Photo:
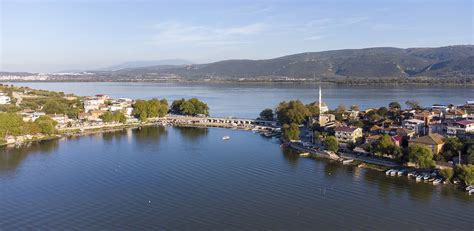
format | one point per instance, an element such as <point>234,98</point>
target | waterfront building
<point>345,134</point>
<point>433,141</point>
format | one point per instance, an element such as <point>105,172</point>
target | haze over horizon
<point>53,36</point>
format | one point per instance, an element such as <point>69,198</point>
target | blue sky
<point>43,36</point>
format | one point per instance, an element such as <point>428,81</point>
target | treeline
<point>13,124</point>
<point>144,109</point>
<point>190,107</point>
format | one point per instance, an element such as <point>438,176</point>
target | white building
<point>461,128</point>
<point>31,116</point>
<point>4,99</point>
<point>418,126</point>
<point>92,103</point>
<point>323,107</point>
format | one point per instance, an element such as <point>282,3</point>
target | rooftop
<point>431,139</point>
<point>345,129</point>
<point>465,122</point>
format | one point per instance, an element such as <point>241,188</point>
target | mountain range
<point>380,62</point>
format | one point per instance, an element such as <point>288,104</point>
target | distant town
<point>438,140</point>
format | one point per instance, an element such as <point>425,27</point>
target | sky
<point>56,35</point>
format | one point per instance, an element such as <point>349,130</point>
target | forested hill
<point>450,61</point>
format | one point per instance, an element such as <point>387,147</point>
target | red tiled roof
<point>465,122</point>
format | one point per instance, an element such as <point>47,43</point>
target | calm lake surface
<point>247,100</point>
<point>190,179</point>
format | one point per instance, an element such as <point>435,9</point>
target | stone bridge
<point>216,121</point>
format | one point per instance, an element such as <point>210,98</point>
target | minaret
<point>320,97</point>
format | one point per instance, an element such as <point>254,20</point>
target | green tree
<point>412,104</point>
<point>451,148</point>
<point>291,132</point>
<point>421,156</point>
<point>313,109</point>
<point>331,143</point>
<point>175,106</point>
<point>46,125</point>
<point>466,173</point>
<point>292,112</point>
<point>187,108</point>
<point>470,154</point>
<point>382,111</point>
<point>267,114</point>
<point>394,106</point>
<point>55,107</point>
<point>10,124</point>
<point>446,173</point>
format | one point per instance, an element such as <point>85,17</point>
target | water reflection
<point>192,134</point>
<point>291,157</point>
<point>149,134</point>
<point>12,157</point>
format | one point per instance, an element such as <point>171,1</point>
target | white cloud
<point>187,34</point>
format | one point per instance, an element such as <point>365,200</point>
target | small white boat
<point>388,172</point>
<point>419,177</point>
<point>426,177</point>
<point>431,179</point>
<point>469,187</point>
<point>393,173</point>
<point>401,172</point>
<point>226,137</point>
<point>304,154</point>
<point>437,181</point>
<point>471,191</point>
<point>347,161</point>
<point>412,174</point>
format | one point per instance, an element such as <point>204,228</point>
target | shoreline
<point>365,82</point>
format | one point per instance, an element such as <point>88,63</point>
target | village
<point>434,139</point>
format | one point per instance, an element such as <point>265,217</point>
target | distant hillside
<point>369,62</point>
<point>137,64</point>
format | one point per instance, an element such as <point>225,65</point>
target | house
<point>324,119</point>
<point>418,126</point>
<point>102,97</point>
<point>372,139</point>
<point>460,129</point>
<point>60,119</point>
<point>4,99</point>
<point>455,114</point>
<point>345,134</point>
<point>31,116</point>
<point>92,103</point>
<point>434,142</point>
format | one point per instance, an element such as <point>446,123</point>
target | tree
<point>291,132</point>
<point>113,117</point>
<point>470,154</point>
<point>394,106</point>
<point>144,109</point>
<point>46,125</point>
<point>267,114</point>
<point>412,104</point>
<point>175,105</point>
<point>451,147</point>
<point>191,107</point>
<point>382,111</point>
<point>355,107</point>
<point>313,109</point>
<point>54,107</point>
<point>446,173</point>
<point>384,144</point>
<point>10,124</point>
<point>421,156</point>
<point>331,143</point>
<point>292,112</point>
<point>466,173</point>
<point>187,108</point>
<point>341,109</point>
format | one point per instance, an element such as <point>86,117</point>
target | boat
<point>401,172</point>
<point>426,176</point>
<point>412,174</point>
<point>419,177</point>
<point>431,179</point>
<point>388,172</point>
<point>304,154</point>
<point>347,161</point>
<point>437,181</point>
<point>393,173</point>
<point>471,191</point>
<point>226,137</point>
<point>469,187</point>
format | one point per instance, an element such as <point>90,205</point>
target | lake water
<point>247,100</point>
<point>190,179</point>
